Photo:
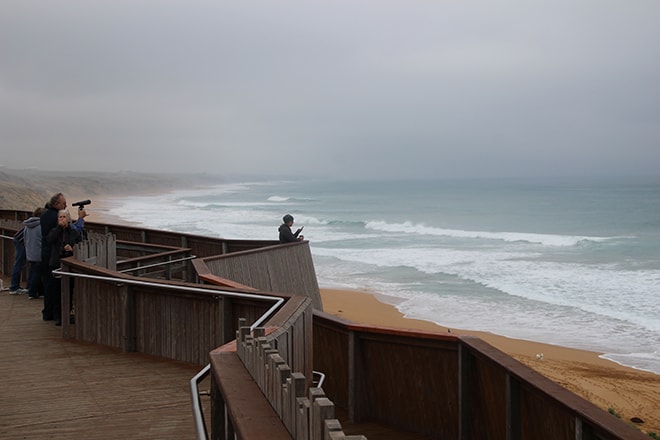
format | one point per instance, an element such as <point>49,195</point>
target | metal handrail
<point>162,263</point>
<point>198,415</point>
<point>321,376</point>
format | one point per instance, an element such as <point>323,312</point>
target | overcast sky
<point>435,88</point>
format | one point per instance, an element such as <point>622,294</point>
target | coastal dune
<point>625,392</point>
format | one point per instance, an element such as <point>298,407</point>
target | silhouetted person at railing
<point>62,239</point>
<point>48,222</point>
<point>33,253</point>
<point>286,236</point>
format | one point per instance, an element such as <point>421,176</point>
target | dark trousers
<point>35,287</point>
<point>52,296</point>
<point>19,265</point>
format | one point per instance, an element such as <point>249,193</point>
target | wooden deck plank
<point>62,389</point>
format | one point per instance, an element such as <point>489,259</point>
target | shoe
<point>58,322</point>
<point>18,291</point>
<point>47,318</point>
<point>32,297</point>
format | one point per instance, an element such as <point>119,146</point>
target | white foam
<point>544,239</point>
<point>647,361</point>
<point>603,291</point>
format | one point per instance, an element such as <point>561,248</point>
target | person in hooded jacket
<point>33,253</point>
<point>286,236</point>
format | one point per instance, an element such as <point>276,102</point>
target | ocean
<point>572,262</point>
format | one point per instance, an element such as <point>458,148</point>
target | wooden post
<point>296,391</point>
<point>302,418</point>
<point>322,409</point>
<point>127,319</point>
<point>287,415</point>
<point>283,374</point>
<point>65,301</point>
<point>218,408</point>
<point>313,395</point>
<point>272,382</point>
<point>241,334</point>
<point>353,407</point>
<point>332,428</point>
<point>262,351</point>
<point>512,408</point>
<point>464,367</point>
<point>226,324</point>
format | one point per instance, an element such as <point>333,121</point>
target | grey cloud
<point>344,89</point>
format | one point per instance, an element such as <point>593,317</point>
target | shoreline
<point>607,384</point>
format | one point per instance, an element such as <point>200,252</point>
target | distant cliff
<point>28,189</point>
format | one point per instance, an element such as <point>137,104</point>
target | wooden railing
<point>263,396</point>
<point>449,387</point>
<point>199,245</point>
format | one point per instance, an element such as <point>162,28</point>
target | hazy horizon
<point>347,90</point>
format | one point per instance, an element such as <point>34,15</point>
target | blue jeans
<point>19,265</point>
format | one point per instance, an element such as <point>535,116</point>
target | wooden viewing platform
<point>56,388</point>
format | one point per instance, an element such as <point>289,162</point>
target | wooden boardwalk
<point>59,389</point>
<point>55,388</point>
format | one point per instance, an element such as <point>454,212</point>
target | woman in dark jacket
<point>61,238</point>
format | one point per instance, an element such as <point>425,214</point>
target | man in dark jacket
<point>286,236</point>
<point>51,285</point>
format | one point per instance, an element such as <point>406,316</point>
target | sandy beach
<point>629,392</point>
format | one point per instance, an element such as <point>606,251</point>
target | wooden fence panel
<point>167,321</point>
<point>282,268</point>
<point>98,249</point>
<point>443,386</point>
